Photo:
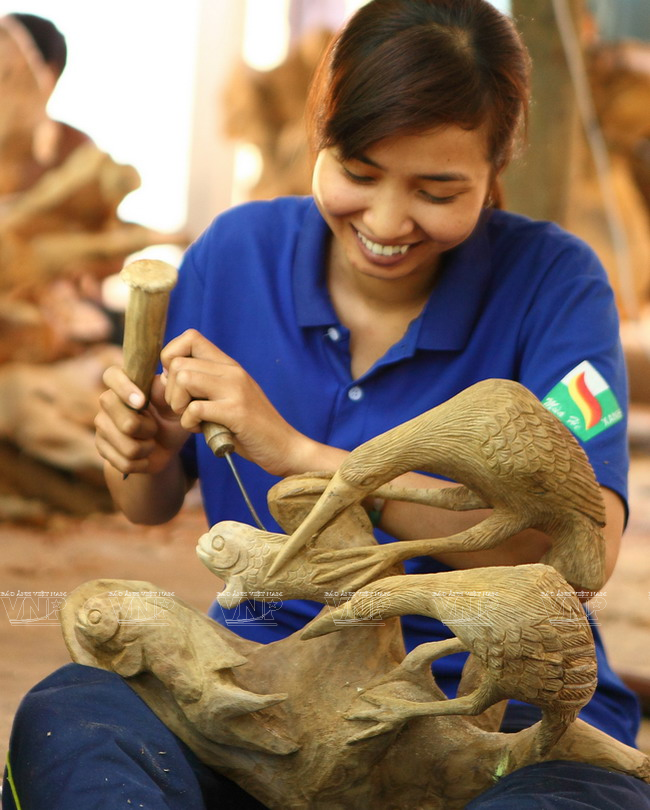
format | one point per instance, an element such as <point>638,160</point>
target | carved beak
<point>328,622</point>
<point>365,607</point>
<point>337,497</point>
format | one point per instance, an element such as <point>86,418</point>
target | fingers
<point>188,378</point>
<point>203,384</point>
<point>124,436</point>
<point>126,447</point>
<point>199,390</point>
<point>192,344</point>
<point>116,380</point>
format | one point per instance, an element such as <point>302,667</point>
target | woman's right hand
<point>130,439</point>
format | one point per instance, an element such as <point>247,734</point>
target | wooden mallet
<point>151,282</point>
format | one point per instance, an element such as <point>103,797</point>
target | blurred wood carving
<point>582,87</point>
<point>619,77</point>
<point>266,109</point>
<point>60,235</point>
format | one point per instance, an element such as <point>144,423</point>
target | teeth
<point>382,250</point>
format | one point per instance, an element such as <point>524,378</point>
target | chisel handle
<point>219,438</point>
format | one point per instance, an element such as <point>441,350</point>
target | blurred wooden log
<point>592,186</point>
<point>48,411</point>
<point>67,223</point>
<point>266,109</point>
<point>538,184</point>
<point>31,489</point>
<point>48,460</point>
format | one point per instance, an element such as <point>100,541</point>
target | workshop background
<point>188,112</point>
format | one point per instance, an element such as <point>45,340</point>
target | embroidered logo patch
<point>584,402</point>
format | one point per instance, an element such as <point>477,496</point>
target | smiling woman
<point>308,325</point>
<point>419,196</point>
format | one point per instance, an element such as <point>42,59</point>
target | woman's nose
<point>387,216</point>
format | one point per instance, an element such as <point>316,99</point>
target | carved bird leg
<point>369,561</point>
<point>411,679</point>
<point>413,674</point>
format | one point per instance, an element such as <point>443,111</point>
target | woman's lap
<point>83,738</point>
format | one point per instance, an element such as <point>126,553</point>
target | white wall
<point>128,84</point>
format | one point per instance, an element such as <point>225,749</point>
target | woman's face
<point>396,208</point>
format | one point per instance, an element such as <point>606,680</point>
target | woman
<point>307,326</point>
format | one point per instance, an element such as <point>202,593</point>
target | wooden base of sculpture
<point>286,720</point>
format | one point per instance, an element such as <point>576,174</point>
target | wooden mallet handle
<point>151,282</point>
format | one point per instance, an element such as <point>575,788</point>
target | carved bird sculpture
<point>524,625</point>
<point>507,451</point>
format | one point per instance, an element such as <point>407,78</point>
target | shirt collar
<point>310,293</point>
<point>453,308</point>
<point>448,317</point>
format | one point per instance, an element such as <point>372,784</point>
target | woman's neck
<point>382,295</point>
<point>377,312</point>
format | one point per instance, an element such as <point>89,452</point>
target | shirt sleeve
<point>572,359</point>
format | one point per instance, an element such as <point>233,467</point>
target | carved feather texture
<point>498,440</point>
<point>530,634</point>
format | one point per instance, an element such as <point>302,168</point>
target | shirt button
<point>333,333</point>
<point>355,393</point>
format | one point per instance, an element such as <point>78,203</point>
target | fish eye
<point>218,542</point>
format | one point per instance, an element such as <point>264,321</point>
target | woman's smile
<point>383,253</point>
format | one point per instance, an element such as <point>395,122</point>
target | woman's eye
<point>356,178</point>
<point>432,198</point>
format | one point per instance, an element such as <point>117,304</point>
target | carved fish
<point>242,555</point>
<point>132,633</point>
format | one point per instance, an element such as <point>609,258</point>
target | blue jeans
<point>83,739</point>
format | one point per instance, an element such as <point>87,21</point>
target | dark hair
<point>407,66</point>
<point>47,38</point>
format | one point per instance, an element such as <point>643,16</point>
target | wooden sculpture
<point>345,719</point>
<point>241,555</point>
<point>541,650</point>
<point>266,109</point>
<point>508,452</point>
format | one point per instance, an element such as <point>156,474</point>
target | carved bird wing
<point>523,437</point>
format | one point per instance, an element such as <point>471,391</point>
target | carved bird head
<point>349,485</point>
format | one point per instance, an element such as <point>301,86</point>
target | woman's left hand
<point>203,384</point>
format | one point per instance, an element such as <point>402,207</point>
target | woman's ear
<point>495,197</point>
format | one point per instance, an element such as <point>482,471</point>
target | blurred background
<point>162,118</point>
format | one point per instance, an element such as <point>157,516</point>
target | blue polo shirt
<point>519,300</point>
